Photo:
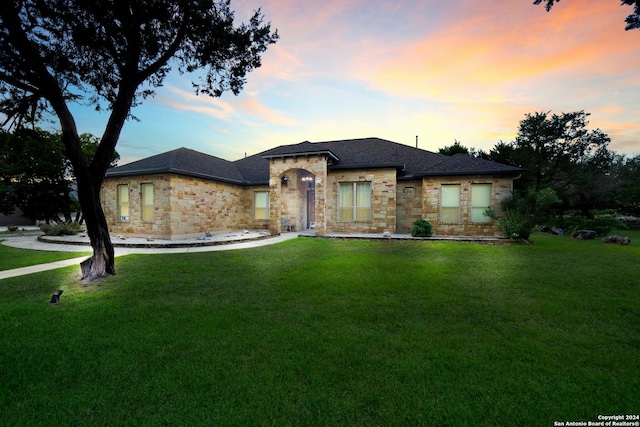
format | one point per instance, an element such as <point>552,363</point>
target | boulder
<point>583,234</point>
<point>615,239</point>
<point>557,231</point>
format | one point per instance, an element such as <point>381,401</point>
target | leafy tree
<point>33,175</point>
<point>633,20</point>
<point>627,178</point>
<point>456,148</point>
<point>559,152</point>
<point>37,177</point>
<point>502,152</point>
<point>112,55</point>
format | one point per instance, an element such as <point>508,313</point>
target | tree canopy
<point>559,152</point>
<point>36,176</point>
<point>111,55</point>
<point>456,148</point>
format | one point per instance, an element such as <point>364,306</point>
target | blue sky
<point>444,71</point>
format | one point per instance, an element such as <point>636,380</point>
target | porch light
<point>318,181</point>
<point>272,183</point>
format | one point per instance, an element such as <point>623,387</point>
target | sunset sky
<point>444,71</point>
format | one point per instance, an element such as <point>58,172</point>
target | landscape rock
<point>618,240</point>
<point>584,234</point>
<point>557,230</point>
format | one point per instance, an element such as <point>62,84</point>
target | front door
<point>311,209</point>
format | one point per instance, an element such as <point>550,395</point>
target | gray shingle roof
<point>362,153</point>
<point>461,164</point>
<point>183,161</point>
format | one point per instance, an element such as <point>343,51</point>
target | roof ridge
<point>172,158</point>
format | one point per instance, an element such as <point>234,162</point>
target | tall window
<point>355,201</point>
<point>450,204</point>
<point>123,202</point>
<point>262,204</point>
<point>480,201</point>
<point>147,201</point>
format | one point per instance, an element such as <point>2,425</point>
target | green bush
<point>524,211</point>
<point>61,229</point>
<point>12,227</point>
<point>516,226</point>
<point>421,228</point>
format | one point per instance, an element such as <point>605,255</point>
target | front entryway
<point>311,209</point>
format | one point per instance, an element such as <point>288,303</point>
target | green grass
<point>11,258</point>
<point>19,231</point>
<point>330,332</point>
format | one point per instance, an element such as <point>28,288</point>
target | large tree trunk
<point>102,262</point>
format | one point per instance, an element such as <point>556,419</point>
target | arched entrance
<point>297,199</point>
<point>294,200</point>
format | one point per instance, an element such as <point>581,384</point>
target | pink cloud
<point>252,106</point>
<point>203,104</point>
<point>488,52</point>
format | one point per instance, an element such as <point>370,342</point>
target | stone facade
<point>501,188</point>
<point>308,198</point>
<point>287,199</point>
<point>383,201</point>
<point>409,205</point>
<point>183,207</point>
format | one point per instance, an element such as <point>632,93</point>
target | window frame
<point>449,206</point>
<point>123,204</point>
<point>256,207</point>
<point>479,208</point>
<point>357,193</point>
<point>147,208</point>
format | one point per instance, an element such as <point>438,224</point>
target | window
<point>147,201</point>
<point>262,204</point>
<point>480,201</point>
<point>123,202</point>
<point>354,201</point>
<point>450,204</point>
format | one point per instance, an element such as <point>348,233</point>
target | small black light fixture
<point>284,180</point>
<point>55,297</point>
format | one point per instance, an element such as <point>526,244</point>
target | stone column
<point>321,197</point>
<point>275,225</point>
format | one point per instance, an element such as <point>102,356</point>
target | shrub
<point>421,228</point>
<point>516,226</point>
<point>523,212</point>
<point>12,227</point>
<point>61,229</point>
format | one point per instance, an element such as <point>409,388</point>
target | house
<point>365,185</point>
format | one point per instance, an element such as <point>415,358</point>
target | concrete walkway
<point>32,243</point>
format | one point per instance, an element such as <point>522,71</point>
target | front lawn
<point>11,258</point>
<point>330,332</point>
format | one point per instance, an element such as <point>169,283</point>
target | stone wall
<point>409,205</point>
<point>288,200</point>
<point>160,227</point>
<point>187,207</point>
<point>249,220</point>
<point>183,206</point>
<point>501,188</point>
<point>383,201</point>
